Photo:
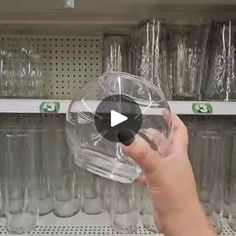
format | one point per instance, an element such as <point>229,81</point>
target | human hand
<point>171,184</point>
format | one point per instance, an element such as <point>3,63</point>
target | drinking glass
<point>92,193</point>
<point>151,60</point>
<point>22,183</point>
<point>216,82</point>
<point>43,143</point>
<point>10,75</point>
<point>187,45</point>
<point>66,178</point>
<point>95,153</point>
<point>147,213</point>
<point>115,53</point>
<point>208,147</point>
<point>125,207</point>
<point>231,65</point>
<point>232,194</point>
<point>32,81</point>
<point>2,170</point>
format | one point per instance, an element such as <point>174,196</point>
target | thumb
<point>141,152</point>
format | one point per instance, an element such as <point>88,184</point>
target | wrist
<point>190,221</point>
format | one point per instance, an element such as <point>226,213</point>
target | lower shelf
<point>83,224</point>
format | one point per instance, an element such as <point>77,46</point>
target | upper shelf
<point>93,12</point>
<point>61,107</point>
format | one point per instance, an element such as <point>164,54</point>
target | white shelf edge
<point>178,107</point>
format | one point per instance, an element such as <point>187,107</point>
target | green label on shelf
<point>202,108</point>
<point>49,107</point>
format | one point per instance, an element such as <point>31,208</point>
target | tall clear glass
<point>151,56</point>
<point>66,178</point>
<point>208,148</point>
<point>232,194</point>
<point>187,45</point>
<point>115,53</point>
<point>22,183</point>
<point>2,170</point>
<point>147,213</point>
<point>214,83</point>
<point>125,207</point>
<point>43,142</point>
<point>92,188</point>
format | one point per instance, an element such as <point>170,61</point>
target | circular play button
<point>116,114</point>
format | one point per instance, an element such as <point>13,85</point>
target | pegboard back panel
<point>68,62</point>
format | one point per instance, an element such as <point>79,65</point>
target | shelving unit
<point>60,106</point>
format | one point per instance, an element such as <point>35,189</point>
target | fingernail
<point>126,137</point>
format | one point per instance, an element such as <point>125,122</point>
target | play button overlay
<point>117,113</point>
<point>117,118</point>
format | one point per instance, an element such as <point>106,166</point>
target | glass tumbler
<point>147,213</point>
<point>92,187</point>
<point>115,53</point>
<point>152,55</point>
<point>66,201</point>
<point>208,148</point>
<point>22,183</point>
<point>215,83</point>
<point>187,45</point>
<point>232,193</point>
<point>43,142</point>
<point>2,170</point>
<point>125,207</point>
<point>99,155</point>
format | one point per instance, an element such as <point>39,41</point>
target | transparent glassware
<point>3,132</point>
<point>66,178</point>
<point>209,166</point>
<point>22,183</point>
<point>11,75</point>
<point>125,207</point>
<point>187,46</point>
<point>215,78</point>
<point>152,55</point>
<point>147,213</point>
<point>98,155</point>
<point>92,187</point>
<point>232,193</point>
<point>115,53</point>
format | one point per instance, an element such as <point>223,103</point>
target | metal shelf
<point>61,106</point>
<point>82,224</point>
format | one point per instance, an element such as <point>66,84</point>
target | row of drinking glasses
<point>21,72</point>
<point>186,60</point>
<point>213,157</point>
<point>38,176</point>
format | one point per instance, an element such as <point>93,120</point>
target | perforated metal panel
<point>68,62</point>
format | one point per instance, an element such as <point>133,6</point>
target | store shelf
<point>81,224</point>
<point>86,225</point>
<point>61,107</point>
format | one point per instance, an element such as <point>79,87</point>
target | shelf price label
<point>202,108</point>
<point>49,107</point>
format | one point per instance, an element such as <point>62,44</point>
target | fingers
<point>179,139</point>
<point>141,152</point>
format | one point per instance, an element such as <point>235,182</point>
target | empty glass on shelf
<point>125,207</point>
<point>187,53</point>
<point>65,177</point>
<point>22,183</point>
<point>214,83</point>
<point>208,166</point>
<point>115,53</point>
<point>147,212</point>
<point>92,187</point>
<point>151,55</point>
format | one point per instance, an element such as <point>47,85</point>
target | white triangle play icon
<point>117,118</point>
